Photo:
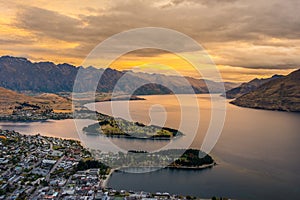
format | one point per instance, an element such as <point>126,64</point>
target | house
<point>56,153</point>
<point>3,161</point>
<point>47,162</point>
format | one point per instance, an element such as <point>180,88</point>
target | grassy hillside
<point>10,100</point>
<point>250,86</point>
<point>279,94</point>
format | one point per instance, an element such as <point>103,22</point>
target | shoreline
<point>135,138</point>
<point>105,182</point>
<point>263,108</point>
<point>119,169</point>
<point>205,166</point>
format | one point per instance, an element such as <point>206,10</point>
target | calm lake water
<point>257,153</point>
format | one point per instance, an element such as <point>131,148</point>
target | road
<point>54,167</point>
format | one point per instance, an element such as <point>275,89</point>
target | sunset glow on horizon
<point>241,47</point>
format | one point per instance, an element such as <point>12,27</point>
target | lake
<point>257,152</point>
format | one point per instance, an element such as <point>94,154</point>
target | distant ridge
<point>282,94</point>
<point>20,74</point>
<point>250,86</point>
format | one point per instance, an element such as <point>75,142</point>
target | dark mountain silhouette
<point>20,74</point>
<point>250,86</point>
<point>282,93</point>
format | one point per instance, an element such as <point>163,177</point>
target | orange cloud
<point>251,45</point>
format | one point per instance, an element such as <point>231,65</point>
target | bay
<point>257,152</point>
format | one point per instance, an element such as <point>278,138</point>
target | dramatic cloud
<point>238,33</point>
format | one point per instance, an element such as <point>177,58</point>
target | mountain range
<point>279,93</point>
<point>250,86</point>
<point>20,74</point>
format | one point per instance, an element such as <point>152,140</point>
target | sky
<point>244,38</point>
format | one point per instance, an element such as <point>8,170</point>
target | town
<point>34,113</point>
<point>40,167</point>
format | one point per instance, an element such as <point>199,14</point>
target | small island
<point>188,159</point>
<point>193,159</point>
<point>118,127</point>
